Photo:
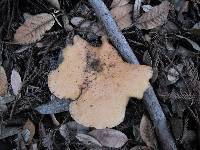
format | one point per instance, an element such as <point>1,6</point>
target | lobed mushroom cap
<point>100,81</point>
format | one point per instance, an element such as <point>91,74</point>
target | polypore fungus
<point>99,82</point>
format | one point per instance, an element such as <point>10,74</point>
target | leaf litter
<point>166,39</point>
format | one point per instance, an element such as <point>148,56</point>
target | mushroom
<point>99,82</point>
<point>3,82</point>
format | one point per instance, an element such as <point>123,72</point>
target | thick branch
<point>150,99</point>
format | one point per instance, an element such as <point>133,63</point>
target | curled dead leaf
<point>29,131</point>
<point>16,82</point>
<point>34,28</point>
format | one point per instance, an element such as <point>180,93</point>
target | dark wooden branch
<point>151,102</point>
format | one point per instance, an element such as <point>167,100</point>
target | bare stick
<point>150,99</point>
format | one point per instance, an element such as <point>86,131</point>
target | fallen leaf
<point>109,137</point>
<point>147,8</point>
<point>121,12</point>
<point>3,82</point>
<point>88,140</point>
<point>76,21</point>
<point>56,105</point>
<point>54,3</point>
<point>157,16</point>
<point>28,131</point>
<point>72,128</point>
<point>16,82</point>
<point>137,6</point>
<point>4,100</point>
<point>194,45</point>
<point>173,73</point>
<point>147,132</point>
<point>76,127</point>
<point>10,131</point>
<point>97,69</point>
<point>34,28</point>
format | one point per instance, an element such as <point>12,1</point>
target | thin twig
<point>150,99</point>
<point>55,121</point>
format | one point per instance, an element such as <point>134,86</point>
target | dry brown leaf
<point>16,82</point>
<point>121,12</point>
<point>3,82</point>
<point>109,137</point>
<point>125,21</point>
<point>157,16</point>
<point>147,132</point>
<point>100,81</point>
<point>34,28</point>
<point>31,128</point>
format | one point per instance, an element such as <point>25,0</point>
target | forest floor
<point>169,41</point>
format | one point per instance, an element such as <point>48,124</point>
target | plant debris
<point>109,137</point>
<point>163,34</point>
<point>121,11</point>
<point>34,28</point>
<point>157,16</point>
<point>16,82</point>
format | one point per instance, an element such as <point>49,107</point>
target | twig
<point>55,121</point>
<point>150,99</point>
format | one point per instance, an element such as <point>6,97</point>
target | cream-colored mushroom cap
<point>100,81</point>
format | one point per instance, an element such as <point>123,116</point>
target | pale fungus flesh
<point>99,82</point>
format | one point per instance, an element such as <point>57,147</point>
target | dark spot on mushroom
<point>93,63</point>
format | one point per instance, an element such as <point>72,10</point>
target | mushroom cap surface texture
<point>99,82</point>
